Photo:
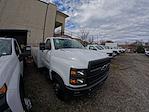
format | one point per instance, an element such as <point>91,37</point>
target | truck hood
<point>6,65</point>
<point>80,56</point>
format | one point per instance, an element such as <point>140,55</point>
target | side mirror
<point>42,46</point>
<point>47,47</point>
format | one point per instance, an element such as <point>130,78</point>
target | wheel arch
<point>57,77</point>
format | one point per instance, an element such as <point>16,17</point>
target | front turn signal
<point>3,89</point>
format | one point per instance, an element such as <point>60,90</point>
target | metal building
<point>29,21</point>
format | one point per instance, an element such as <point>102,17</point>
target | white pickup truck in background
<point>147,52</point>
<point>115,50</point>
<point>115,47</point>
<point>101,49</point>
<point>11,76</point>
<point>73,69</point>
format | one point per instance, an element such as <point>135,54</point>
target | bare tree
<point>84,34</point>
<point>91,39</point>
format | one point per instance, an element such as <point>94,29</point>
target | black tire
<point>22,94</point>
<point>59,90</point>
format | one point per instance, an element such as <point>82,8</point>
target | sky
<point>117,20</point>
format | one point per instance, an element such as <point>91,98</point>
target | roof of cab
<point>4,38</point>
<point>57,38</point>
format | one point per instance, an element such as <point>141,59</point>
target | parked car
<point>73,69</point>
<point>11,76</point>
<point>101,49</point>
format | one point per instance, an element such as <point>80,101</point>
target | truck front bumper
<point>3,104</point>
<point>87,89</point>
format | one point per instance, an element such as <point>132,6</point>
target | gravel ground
<point>126,89</point>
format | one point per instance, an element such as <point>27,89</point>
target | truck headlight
<point>77,77</point>
<point>3,90</point>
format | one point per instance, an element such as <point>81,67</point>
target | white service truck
<point>73,69</point>
<point>101,49</point>
<point>111,45</point>
<point>115,48</point>
<point>11,76</point>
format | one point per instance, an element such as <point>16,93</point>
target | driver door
<point>46,54</point>
<point>18,53</point>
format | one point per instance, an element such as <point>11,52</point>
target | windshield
<point>5,47</point>
<point>99,47</point>
<point>67,43</point>
<point>103,47</point>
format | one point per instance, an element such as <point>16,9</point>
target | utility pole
<point>45,20</point>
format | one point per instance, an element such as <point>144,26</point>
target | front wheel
<point>59,91</point>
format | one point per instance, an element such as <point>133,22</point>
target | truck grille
<point>97,70</point>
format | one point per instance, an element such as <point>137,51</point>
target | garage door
<point>19,35</point>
